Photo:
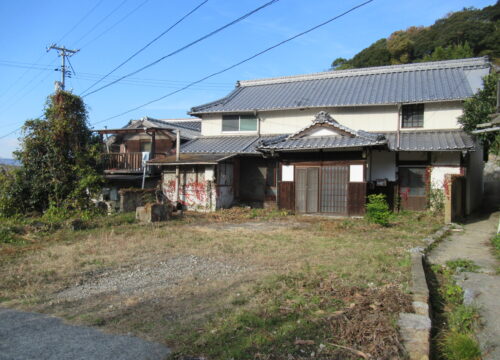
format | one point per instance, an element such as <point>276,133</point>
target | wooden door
<point>412,188</point>
<point>306,189</point>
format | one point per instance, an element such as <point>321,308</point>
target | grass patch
<point>299,277</point>
<point>462,265</point>
<point>456,322</point>
<point>299,315</point>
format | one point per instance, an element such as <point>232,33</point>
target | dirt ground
<point>152,280</point>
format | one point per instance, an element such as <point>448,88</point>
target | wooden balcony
<point>130,162</point>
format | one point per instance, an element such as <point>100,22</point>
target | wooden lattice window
<point>413,116</point>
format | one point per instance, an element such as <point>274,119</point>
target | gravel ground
<point>25,335</point>
<point>144,278</point>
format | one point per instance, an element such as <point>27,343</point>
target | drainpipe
<point>256,114</point>
<point>177,169</point>
<point>398,134</point>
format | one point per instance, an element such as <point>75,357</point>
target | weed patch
<point>456,322</point>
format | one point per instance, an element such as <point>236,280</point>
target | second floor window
<point>413,116</point>
<point>239,123</point>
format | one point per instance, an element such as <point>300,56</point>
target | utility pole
<point>63,53</point>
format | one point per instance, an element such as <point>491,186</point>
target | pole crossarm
<point>63,53</point>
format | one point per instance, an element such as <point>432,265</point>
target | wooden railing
<point>131,161</point>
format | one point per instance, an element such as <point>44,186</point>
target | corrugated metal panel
<point>436,81</point>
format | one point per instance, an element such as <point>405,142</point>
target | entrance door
<point>334,180</point>
<point>307,189</point>
<point>412,188</point>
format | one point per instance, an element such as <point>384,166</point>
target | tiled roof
<point>410,83</point>
<point>224,144</point>
<point>191,159</point>
<point>322,142</point>
<point>438,140</point>
<point>189,129</point>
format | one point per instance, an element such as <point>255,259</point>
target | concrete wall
<point>369,118</point>
<point>201,188</point>
<point>196,188</point>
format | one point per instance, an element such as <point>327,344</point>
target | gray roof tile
<point>438,140</point>
<point>421,82</point>
<point>224,144</point>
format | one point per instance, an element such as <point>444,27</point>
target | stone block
<point>153,213</point>
<point>415,332</point>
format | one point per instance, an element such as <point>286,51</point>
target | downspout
<point>256,114</point>
<point>177,169</point>
<point>398,133</point>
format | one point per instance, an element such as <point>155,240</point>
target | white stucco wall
<point>382,165</point>
<point>369,118</point>
<point>438,173</point>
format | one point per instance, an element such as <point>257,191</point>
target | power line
<point>115,24</point>
<point>184,47</point>
<point>80,21</point>
<point>146,46</point>
<point>101,21</point>
<point>43,54</point>
<point>240,62</point>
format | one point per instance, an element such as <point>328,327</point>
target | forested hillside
<point>467,33</point>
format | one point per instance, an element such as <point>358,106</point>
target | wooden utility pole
<point>63,53</point>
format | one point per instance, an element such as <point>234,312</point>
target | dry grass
<point>265,244</point>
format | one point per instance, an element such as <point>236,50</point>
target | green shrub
<point>377,210</point>
<point>456,346</point>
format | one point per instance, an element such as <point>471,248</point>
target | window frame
<point>239,118</point>
<point>412,110</point>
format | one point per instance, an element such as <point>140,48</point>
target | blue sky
<point>115,29</point>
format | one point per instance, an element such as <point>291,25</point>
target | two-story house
<point>319,143</point>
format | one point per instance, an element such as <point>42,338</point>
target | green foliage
<point>436,200</point>
<point>467,33</point>
<point>458,346</point>
<point>377,210</point>
<point>456,333</point>
<point>478,108</point>
<point>496,244</point>
<point>59,157</point>
<point>458,265</point>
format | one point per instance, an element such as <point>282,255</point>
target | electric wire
<point>239,63</point>
<point>114,25</point>
<point>101,21</point>
<point>241,18</point>
<point>146,46</point>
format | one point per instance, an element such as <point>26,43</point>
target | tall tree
<point>478,108</point>
<point>59,157</point>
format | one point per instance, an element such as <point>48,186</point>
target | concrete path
<point>25,335</point>
<point>483,287</point>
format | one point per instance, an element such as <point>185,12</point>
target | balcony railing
<point>131,161</point>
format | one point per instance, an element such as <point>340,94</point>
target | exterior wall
<point>369,118</point>
<point>201,188</point>
<point>196,187</point>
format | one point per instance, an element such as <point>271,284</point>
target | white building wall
<point>369,118</point>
